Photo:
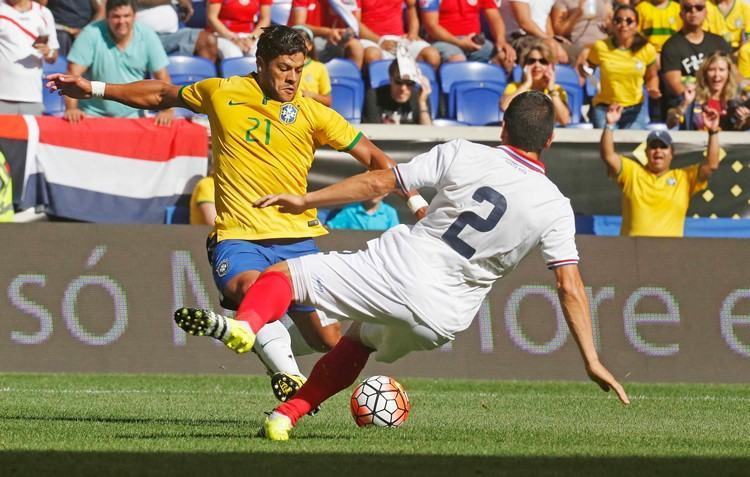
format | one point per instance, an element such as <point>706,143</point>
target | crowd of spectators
<point>645,56</point>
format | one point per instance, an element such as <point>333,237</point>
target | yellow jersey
<point>658,23</point>
<point>622,72</point>
<point>203,193</point>
<point>315,78</point>
<point>261,146</point>
<point>743,60</point>
<point>736,21</point>
<point>655,206</point>
<point>715,22</point>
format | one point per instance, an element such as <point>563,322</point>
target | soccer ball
<point>380,401</point>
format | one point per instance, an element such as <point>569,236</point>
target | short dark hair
<point>529,121</point>
<point>113,4</point>
<point>277,40</point>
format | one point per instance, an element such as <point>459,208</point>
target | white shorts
<point>413,47</point>
<point>352,286</point>
<point>229,50</point>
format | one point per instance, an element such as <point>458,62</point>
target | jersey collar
<point>527,161</point>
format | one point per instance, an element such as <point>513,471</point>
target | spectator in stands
<point>27,37</point>
<point>581,29</point>
<point>716,88</point>
<point>7,213</point>
<point>658,20</point>
<point>684,52</point>
<point>116,50</point>
<point>315,82</point>
<point>202,202</point>
<point>334,35</point>
<point>398,102</point>
<point>626,61</point>
<point>161,17</point>
<point>743,63</point>
<point>233,22</point>
<point>71,16</point>
<point>735,16</point>
<point>382,29</point>
<point>655,198</point>
<point>527,20</point>
<point>455,29</point>
<point>538,62</point>
<point>373,214</point>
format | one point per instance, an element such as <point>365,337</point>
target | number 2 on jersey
<point>480,224</point>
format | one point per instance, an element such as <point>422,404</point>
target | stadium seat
<point>347,89</point>
<point>568,79</point>
<point>378,73</point>
<point>54,104</point>
<point>189,69</point>
<point>241,66</point>
<point>478,102</point>
<point>176,214</point>
<point>476,76</point>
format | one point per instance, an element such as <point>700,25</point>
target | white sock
<point>273,347</point>
<point>299,345</point>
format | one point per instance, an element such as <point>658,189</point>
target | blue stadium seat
<point>176,214</point>
<point>189,69</point>
<point>241,66</point>
<point>479,75</point>
<point>478,102</point>
<point>568,79</point>
<point>378,72</point>
<point>54,104</point>
<point>347,89</point>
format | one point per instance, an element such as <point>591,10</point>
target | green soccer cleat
<point>236,335</point>
<point>276,427</point>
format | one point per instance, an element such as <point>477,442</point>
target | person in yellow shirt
<point>655,198</point>
<point>658,20</point>
<point>538,62</point>
<point>315,82</point>
<point>729,19</point>
<point>626,62</point>
<point>264,136</point>
<point>743,61</point>
<point>203,203</point>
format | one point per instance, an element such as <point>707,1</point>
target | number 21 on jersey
<point>473,220</point>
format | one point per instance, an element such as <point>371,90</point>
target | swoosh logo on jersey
<point>232,103</point>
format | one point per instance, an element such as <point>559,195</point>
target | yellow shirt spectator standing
<point>732,18</point>
<point>658,20</point>
<point>203,203</point>
<point>655,198</point>
<point>626,62</point>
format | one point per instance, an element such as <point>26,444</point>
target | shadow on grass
<point>18,463</point>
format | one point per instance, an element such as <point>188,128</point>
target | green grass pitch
<point>102,425</point>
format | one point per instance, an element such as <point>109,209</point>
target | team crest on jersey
<point>672,181</point>
<point>639,65</point>
<point>288,113</point>
<point>223,268</point>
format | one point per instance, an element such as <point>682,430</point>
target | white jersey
<point>493,205</point>
<point>20,62</point>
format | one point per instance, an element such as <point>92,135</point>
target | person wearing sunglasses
<point>404,100</point>
<point>539,75</point>
<point>684,53</point>
<point>655,197</point>
<point>626,62</point>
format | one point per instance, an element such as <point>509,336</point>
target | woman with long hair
<point>538,62</point>
<point>626,62</point>
<point>716,87</point>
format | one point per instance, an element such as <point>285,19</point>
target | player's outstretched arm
<point>146,94</point>
<point>357,188</point>
<point>575,307</point>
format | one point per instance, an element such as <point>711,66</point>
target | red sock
<point>266,300</point>
<point>335,371</point>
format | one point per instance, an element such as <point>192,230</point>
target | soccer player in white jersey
<point>415,288</point>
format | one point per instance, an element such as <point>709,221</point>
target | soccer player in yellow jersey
<point>264,136</point>
<point>655,198</point>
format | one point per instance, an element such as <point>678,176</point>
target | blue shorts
<point>229,258</point>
